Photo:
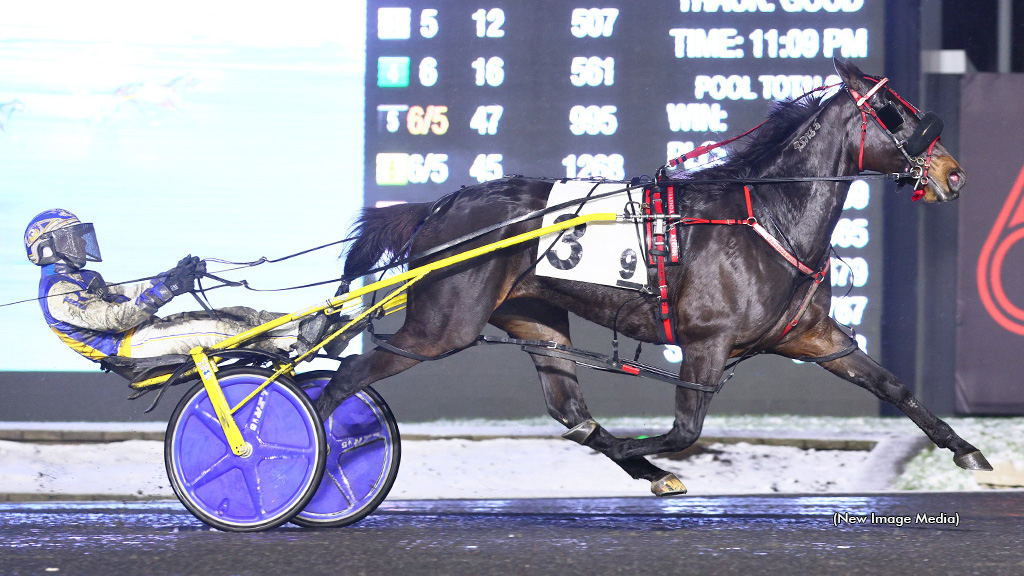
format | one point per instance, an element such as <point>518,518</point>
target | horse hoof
<point>582,431</point>
<point>667,485</point>
<point>972,461</point>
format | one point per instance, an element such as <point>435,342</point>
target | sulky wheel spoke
<point>252,485</point>
<point>341,482</point>
<point>219,468</point>
<point>279,451</point>
<point>209,419</point>
<point>340,479</point>
<point>257,415</point>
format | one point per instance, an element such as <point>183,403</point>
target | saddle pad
<point>605,253</point>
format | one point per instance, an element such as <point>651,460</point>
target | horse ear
<point>848,71</point>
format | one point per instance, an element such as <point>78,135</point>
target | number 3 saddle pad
<point>606,253</point>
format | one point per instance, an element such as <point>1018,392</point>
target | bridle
<point>917,149</point>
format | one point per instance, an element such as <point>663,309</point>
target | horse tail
<point>382,231</point>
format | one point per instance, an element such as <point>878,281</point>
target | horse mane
<point>783,120</point>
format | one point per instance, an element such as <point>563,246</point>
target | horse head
<point>896,137</point>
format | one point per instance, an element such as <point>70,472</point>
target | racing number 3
<point>570,237</point>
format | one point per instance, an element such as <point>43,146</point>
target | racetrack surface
<point>978,533</point>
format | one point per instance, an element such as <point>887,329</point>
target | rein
<point>635,184</point>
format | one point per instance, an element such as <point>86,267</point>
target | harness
<point>662,245</point>
<point>663,250</point>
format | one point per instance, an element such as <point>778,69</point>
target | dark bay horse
<point>732,294</point>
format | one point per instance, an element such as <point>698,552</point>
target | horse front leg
<point>703,364</point>
<point>530,319</point>
<point>860,369</point>
<point>822,337</point>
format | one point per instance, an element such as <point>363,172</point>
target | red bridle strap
<point>865,109</point>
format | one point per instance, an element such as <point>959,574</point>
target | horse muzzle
<point>945,180</point>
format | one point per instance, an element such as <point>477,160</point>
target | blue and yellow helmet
<point>56,235</point>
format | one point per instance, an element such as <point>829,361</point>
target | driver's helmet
<point>56,235</point>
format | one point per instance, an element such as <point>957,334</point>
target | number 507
<point>593,22</point>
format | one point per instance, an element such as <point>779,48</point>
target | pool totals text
<point>464,92</point>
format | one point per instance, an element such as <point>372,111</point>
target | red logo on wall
<point>1007,231</point>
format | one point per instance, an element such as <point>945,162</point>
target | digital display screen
<point>464,92</point>
<point>239,131</point>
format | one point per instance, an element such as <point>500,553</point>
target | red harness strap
<point>818,278</point>
<point>709,147</point>
<point>865,110</point>
<point>663,249</point>
<point>763,233</point>
<point>793,260</point>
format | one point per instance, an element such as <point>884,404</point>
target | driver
<point>97,319</point>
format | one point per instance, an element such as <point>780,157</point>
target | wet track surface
<point>977,533</point>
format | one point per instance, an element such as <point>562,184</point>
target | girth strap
<point>818,278</point>
<point>850,349</point>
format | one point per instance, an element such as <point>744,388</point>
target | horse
<point>732,294</point>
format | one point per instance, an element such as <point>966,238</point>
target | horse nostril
<point>956,179</point>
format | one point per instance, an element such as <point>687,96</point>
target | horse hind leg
<point>534,320</point>
<point>433,326</point>
<point>703,364</point>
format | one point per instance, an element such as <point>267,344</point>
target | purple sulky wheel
<point>263,489</point>
<point>364,450</point>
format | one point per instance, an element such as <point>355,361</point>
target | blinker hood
<point>928,129</point>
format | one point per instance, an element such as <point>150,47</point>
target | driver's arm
<point>69,303</point>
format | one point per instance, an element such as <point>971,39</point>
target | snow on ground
<point>533,468</point>
<point>1001,439</point>
<point>453,468</point>
<point>133,467</point>
<point>502,465</point>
